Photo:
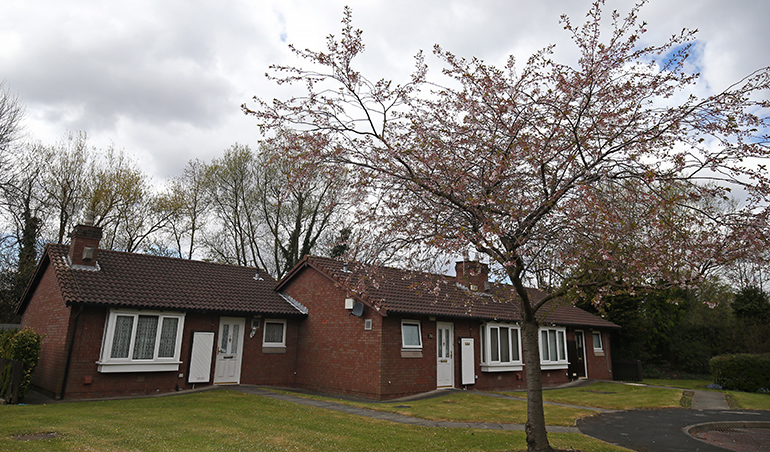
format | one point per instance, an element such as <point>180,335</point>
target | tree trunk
<point>537,437</point>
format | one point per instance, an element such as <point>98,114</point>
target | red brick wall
<point>262,368</point>
<point>47,314</point>
<point>503,381</point>
<point>598,363</point>
<point>85,381</point>
<point>335,353</point>
<point>257,368</point>
<point>405,375</point>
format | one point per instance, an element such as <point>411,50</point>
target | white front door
<point>445,375</point>
<point>229,350</point>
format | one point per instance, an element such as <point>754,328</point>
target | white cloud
<point>164,80</point>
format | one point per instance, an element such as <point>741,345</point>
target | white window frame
<point>547,361</point>
<point>598,345</point>
<point>264,333</point>
<point>108,364</point>
<point>404,345</point>
<point>488,364</point>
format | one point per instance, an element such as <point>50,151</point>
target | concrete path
<point>709,400</point>
<point>393,417</point>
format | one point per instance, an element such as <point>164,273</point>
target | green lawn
<point>696,385</point>
<point>749,400</point>
<point>233,421</point>
<point>615,396</point>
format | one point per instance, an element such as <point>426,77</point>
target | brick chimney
<point>472,274</point>
<point>84,244</point>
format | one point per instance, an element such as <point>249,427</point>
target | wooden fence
<point>627,370</point>
<point>11,375</point>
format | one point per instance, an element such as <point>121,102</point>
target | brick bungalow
<point>384,333</point>
<point>123,324</point>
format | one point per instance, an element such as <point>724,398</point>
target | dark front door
<point>576,355</point>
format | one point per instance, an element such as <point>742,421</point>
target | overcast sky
<point>164,79</point>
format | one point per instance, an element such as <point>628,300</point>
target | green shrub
<point>23,346</point>
<point>743,372</point>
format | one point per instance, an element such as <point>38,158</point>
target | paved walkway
<point>709,400</point>
<point>393,417</point>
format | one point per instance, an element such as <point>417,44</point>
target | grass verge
<point>616,396</point>
<point>225,420</point>
<point>748,400</point>
<point>695,385</point>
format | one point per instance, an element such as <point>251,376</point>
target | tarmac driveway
<point>661,430</point>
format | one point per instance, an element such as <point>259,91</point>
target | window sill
<point>266,349</point>
<point>553,366</point>
<point>598,352</point>
<point>502,367</point>
<point>411,353</point>
<point>111,368</point>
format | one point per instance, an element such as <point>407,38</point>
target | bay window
<point>553,348</point>
<point>500,347</point>
<point>141,341</point>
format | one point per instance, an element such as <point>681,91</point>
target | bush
<point>23,346</point>
<point>743,372</point>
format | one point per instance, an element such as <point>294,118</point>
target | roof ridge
<point>160,282</point>
<point>177,259</point>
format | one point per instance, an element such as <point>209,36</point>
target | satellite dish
<point>358,309</point>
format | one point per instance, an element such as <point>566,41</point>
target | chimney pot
<point>472,274</point>
<point>84,245</point>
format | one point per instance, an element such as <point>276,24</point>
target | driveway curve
<point>661,429</point>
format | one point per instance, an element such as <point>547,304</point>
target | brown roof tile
<point>390,290</point>
<point>142,281</point>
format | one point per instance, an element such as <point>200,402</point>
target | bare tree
<point>231,187</point>
<point>124,204</point>
<point>188,192</point>
<point>65,178</point>
<point>11,114</point>
<point>298,201</point>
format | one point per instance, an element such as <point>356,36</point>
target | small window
<point>411,336</point>
<point>275,333</point>
<point>598,347</point>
